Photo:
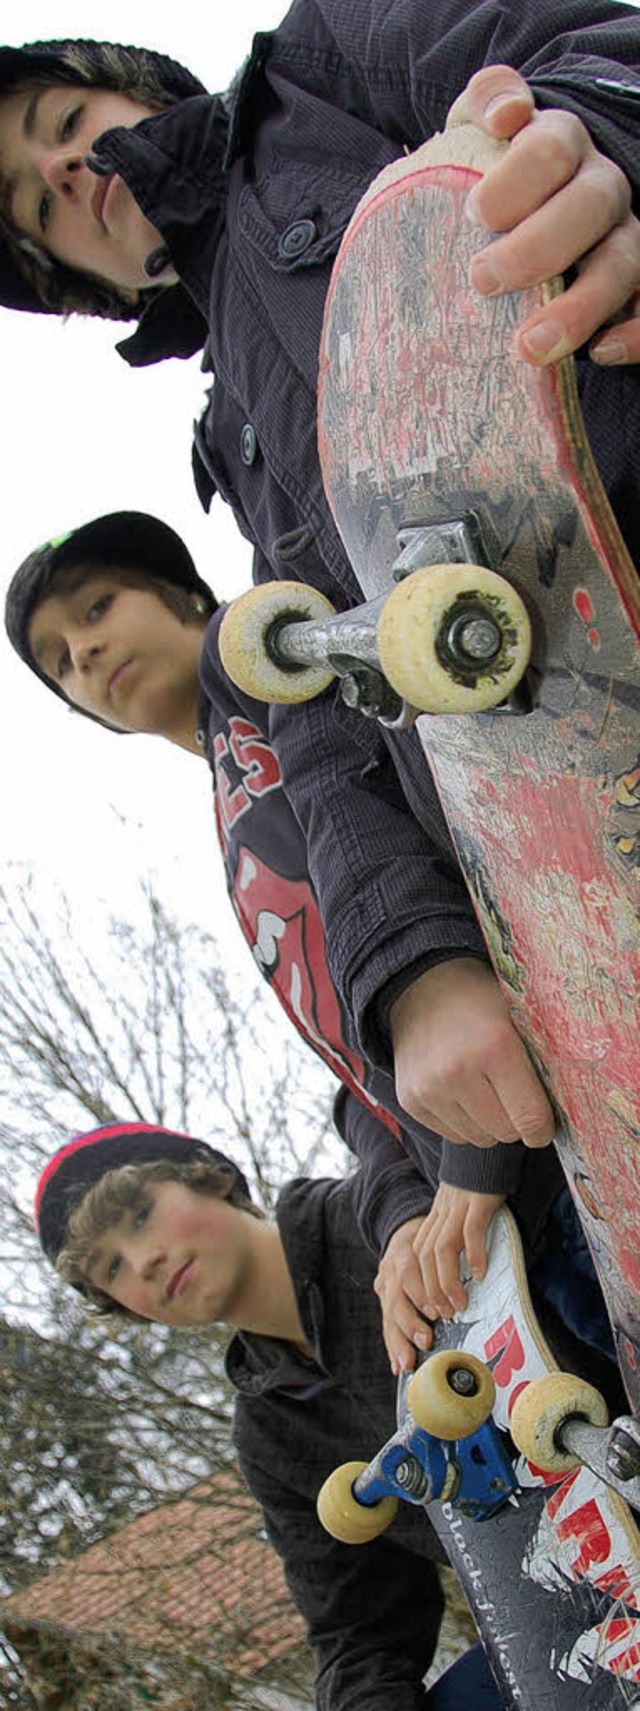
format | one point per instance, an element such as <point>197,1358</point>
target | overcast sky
<point>82,434</point>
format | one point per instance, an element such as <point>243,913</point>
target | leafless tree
<point>142,1022</point>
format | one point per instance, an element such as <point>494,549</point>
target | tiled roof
<point>194,1566</point>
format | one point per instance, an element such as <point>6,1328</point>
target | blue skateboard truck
<point>446,1447</point>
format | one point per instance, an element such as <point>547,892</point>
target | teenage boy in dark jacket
<point>245,200</point>
<point>153,1225</point>
<point>113,618</point>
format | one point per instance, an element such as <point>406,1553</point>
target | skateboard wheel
<point>343,1516</point>
<point>538,1414</point>
<point>248,642</point>
<point>454,638</point>
<point>451,1394</point>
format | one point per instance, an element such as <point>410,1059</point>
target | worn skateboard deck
<point>426,415</point>
<point>553,1578</point>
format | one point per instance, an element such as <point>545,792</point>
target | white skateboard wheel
<point>343,1516</point>
<point>436,1402</point>
<point>245,642</point>
<point>539,1411</point>
<point>434,632</point>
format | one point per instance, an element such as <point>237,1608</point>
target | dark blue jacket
<point>252,196</point>
<point>265,858</point>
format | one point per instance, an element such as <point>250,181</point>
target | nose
<point>60,170</point>
<point>84,650</point>
<point>150,1263</point>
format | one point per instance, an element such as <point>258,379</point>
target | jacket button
<point>297,238</point>
<point>248,445</point>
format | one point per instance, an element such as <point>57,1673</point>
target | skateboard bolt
<point>474,639</point>
<point>367,691</point>
<point>623,1456</point>
<point>412,1477</point>
<point>462,1381</point>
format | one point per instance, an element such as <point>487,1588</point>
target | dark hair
<point>122,542</point>
<point>119,1191</point>
<point>67,579</point>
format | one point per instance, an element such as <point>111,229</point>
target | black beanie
<point>79,1164</point>
<point>132,539</point>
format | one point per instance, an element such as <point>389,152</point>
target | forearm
<point>391,1185</point>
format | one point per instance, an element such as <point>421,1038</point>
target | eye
<point>62,663</point>
<point>99,607</point>
<point>69,124</point>
<point>141,1215</point>
<point>113,1268</point>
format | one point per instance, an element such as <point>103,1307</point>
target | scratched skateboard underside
<point>423,416</point>
<point>570,1641</point>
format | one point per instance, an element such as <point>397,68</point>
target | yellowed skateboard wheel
<point>244,637</point>
<point>419,620</point>
<point>343,1516</point>
<point>443,1411</point>
<point>539,1411</point>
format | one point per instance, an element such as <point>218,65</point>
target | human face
<point>121,654</point>
<point>177,1257</point>
<point>90,223</point>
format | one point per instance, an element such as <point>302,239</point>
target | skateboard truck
<point>454,636</point>
<point>447,1447</point>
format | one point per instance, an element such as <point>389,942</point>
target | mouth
<point>117,678</point>
<point>100,198</point>
<point>179,1280</point>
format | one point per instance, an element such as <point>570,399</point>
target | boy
<point>246,198</point>
<point>113,619</point>
<point>153,1225</point>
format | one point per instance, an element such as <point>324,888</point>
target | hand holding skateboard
<point>400,1290</point>
<point>457,1223</point>
<point>559,202</point>
<point>460,1066</point>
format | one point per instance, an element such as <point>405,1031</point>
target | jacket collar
<point>167,160</point>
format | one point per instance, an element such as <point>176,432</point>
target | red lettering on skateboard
<point>616,1581</point>
<point>628,1661</point>
<point>507,1344</point>
<point>588,1527</point>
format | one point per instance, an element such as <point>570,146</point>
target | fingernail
<point>484,277</point>
<point>545,342</point>
<point>609,351</point>
<point>498,101</point>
